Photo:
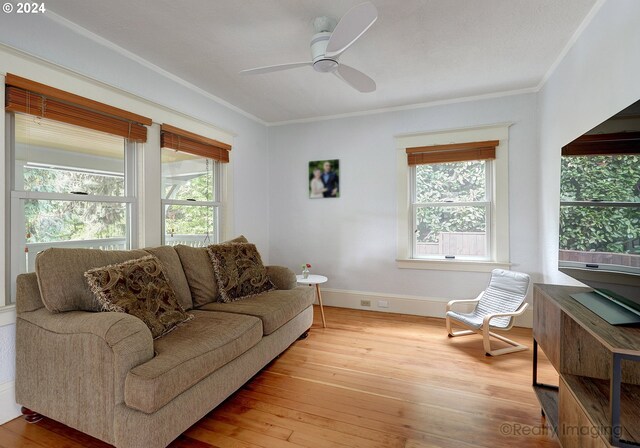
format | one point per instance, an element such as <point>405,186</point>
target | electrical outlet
<point>365,303</point>
<point>383,304</point>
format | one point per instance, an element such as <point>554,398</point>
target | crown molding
<point>571,42</point>
<point>425,105</point>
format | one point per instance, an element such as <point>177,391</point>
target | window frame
<point>498,256</point>
<point>15,215</point>
<point>216,203</point>
<point>487,203</point>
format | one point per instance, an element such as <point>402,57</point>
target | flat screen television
<point>600,216</point>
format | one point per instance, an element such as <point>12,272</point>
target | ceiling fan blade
<point>355,78</point>
<point>352,25</point>
<point>274,68</point>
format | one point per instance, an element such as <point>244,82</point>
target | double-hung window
<point>72,174</point>
<point>451,200</point>
<point>192,170</point>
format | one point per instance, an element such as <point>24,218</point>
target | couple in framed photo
<point>324,179</point>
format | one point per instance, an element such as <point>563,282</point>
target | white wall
<point>64,47</point>
<point>596,79</point>
<point>352,239</point>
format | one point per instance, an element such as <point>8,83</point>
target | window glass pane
<point>193,225</point>
<point>460,231</point>
<point>49,221</point>
<point>60,158</point>
<point>602,178</point>
<point>455,182</point>
<point>97,225</point>
<point>601,230</point>
<point>187,177</point>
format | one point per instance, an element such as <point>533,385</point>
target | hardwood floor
<point>368,380</point>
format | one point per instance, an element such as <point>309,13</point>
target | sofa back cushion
<point>61,276</point>
<point>63,286</point>
<point>172,266</point>
<point>199,272</point>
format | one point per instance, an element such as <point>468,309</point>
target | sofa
<point>102,373</point>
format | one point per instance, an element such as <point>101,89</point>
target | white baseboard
<point>419,306</point>
<point>8,407</point>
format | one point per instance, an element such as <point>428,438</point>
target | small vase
<point>305,273</point>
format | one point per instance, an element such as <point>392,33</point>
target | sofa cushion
<point>239,271</point>
<point>187,355</point>
<point>61,278</point>
<point>139,287</point>
<point>199,272</point>
<point>173,268</point>
<point>274,308</point>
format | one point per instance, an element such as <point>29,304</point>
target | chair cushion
<point>187,355</point>
<point>239,271</point>
<point>471,320</point>
<point>139,287</point>
<point>274,308</point>
<point>505,294</point>
<point>199,272</point>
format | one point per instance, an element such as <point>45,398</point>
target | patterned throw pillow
<point>139,287</point>
<point>239,271</point>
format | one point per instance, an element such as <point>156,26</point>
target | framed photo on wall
<point>324,179</point>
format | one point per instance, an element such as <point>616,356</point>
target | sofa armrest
<point>282,277</point>
<point>111,327</point>
<point>73,364</point>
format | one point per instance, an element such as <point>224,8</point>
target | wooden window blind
<point>30,97</point>
<point>185,141</point>
<point>456,152</point>
<point>604,144</point>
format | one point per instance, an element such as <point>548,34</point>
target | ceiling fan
<point>329,42</point>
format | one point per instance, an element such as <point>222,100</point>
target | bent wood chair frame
<point>485,329</point>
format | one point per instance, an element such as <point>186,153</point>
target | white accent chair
<point>496,307</point>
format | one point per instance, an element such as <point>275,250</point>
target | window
<point>455,187</point>
<point>71,187</point>
<point>71,172</point>
<point>191,187</point>
<point>600,208</point>
<point>190,199</point>
<point>451,210</point>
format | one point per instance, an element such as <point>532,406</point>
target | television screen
<point>600,208</point>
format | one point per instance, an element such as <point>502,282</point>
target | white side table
<point>315,280</point>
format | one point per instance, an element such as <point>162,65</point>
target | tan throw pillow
<point>139,287</point>
<point>239,271</point>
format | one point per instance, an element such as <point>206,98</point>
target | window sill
<point>451,265</point>
<point>7,315</point>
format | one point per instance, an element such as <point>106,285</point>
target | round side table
<point>315,280</point>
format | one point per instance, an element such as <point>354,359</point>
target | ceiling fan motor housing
<point>321,63</point>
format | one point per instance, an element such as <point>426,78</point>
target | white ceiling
<point>418,51</point>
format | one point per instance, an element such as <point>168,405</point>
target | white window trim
<point>217,203</point>
<point>4,228</point>
<point>499,243</point>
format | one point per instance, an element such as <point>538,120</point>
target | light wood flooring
<point>368,380</point>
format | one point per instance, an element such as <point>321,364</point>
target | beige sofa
<point>103,374</point>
